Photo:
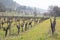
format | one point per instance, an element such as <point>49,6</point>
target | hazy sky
<point>39,3</point>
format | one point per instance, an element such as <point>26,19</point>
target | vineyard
<point>28,29</point>
<point>29,20</point>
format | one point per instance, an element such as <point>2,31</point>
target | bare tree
<point>2,8</point>
<point>54,10</point>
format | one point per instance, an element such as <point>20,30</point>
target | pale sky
<point>39,3</point>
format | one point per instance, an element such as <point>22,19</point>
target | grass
<point>40,31</point>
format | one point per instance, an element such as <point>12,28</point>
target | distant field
<point>40,31</point>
